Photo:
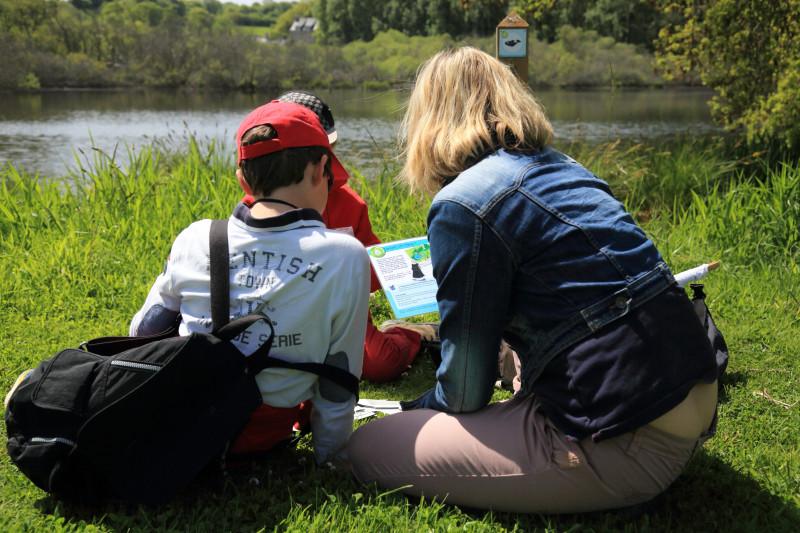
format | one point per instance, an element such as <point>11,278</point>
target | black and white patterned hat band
<point>315,104</point>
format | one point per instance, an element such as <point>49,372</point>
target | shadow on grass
<point>709,496</point>
<point>246,495</point>
<point>287,487</point>
<point>729,381</point>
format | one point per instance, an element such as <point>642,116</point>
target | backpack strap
<point>220,273</point>
<point>337,375</point>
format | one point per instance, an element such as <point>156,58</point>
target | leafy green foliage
<point>748,51</point>
<point>583,58</point>
<point>262,14</point>
<point>392,55</point>
<point>349,20</point>
<point>629,21</point>
<point>87,4</point>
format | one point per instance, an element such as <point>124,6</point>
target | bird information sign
<point>512,45</point>
<point>512,42</point>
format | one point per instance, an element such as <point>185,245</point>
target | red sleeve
<point>346,209</point>
<point>363,229</point>
<point>374,284</point>
<point>364,234</point>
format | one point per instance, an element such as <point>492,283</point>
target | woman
<point>618,377</point>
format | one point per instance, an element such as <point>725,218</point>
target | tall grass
<point>658,177</point>
<point>78,256</point>
<point>757,222</point>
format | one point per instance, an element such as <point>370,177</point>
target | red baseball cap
<point>296,126</point>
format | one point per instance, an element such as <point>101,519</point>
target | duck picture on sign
<point>512,42</point>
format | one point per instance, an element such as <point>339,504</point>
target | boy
<point>313,283</point>
<point>390,349</point>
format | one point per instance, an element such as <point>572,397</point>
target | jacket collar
<point>290,218</point>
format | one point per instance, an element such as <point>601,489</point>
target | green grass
<point>78,260</point>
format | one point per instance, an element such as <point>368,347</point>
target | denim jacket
<point>534,249</point>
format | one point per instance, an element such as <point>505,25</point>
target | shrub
<point>748,51</point>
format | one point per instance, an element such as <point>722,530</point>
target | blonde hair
<point>464,104</point>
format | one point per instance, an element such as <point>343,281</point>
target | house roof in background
<point>303,24</point>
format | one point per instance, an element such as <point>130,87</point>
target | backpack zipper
<point>50,440</point>
<point>135,365</point>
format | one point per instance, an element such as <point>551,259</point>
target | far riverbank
<point>230,60</point>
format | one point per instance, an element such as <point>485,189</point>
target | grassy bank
<point>79,259</point>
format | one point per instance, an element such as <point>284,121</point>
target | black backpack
<point>137,418</point>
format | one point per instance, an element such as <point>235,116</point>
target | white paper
<point>366,408</point>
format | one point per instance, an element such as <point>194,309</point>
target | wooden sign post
<point>512,44</point>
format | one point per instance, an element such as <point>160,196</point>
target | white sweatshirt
<point>313,283</point>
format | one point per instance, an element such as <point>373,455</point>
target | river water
<point>45,132</point>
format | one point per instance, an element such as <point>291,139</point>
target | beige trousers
<point>509,457</point>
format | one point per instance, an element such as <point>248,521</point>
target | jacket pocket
<point>67,381</point>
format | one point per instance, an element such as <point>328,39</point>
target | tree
<point>628,21</point>
<point>25,17</point>
<point>482,16</point>
<point>547,16</point>
<point>360,13</point>
<point>347,20</point>
<point>87,4</point>
<point>748,51</point>
<point>406,16</point>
